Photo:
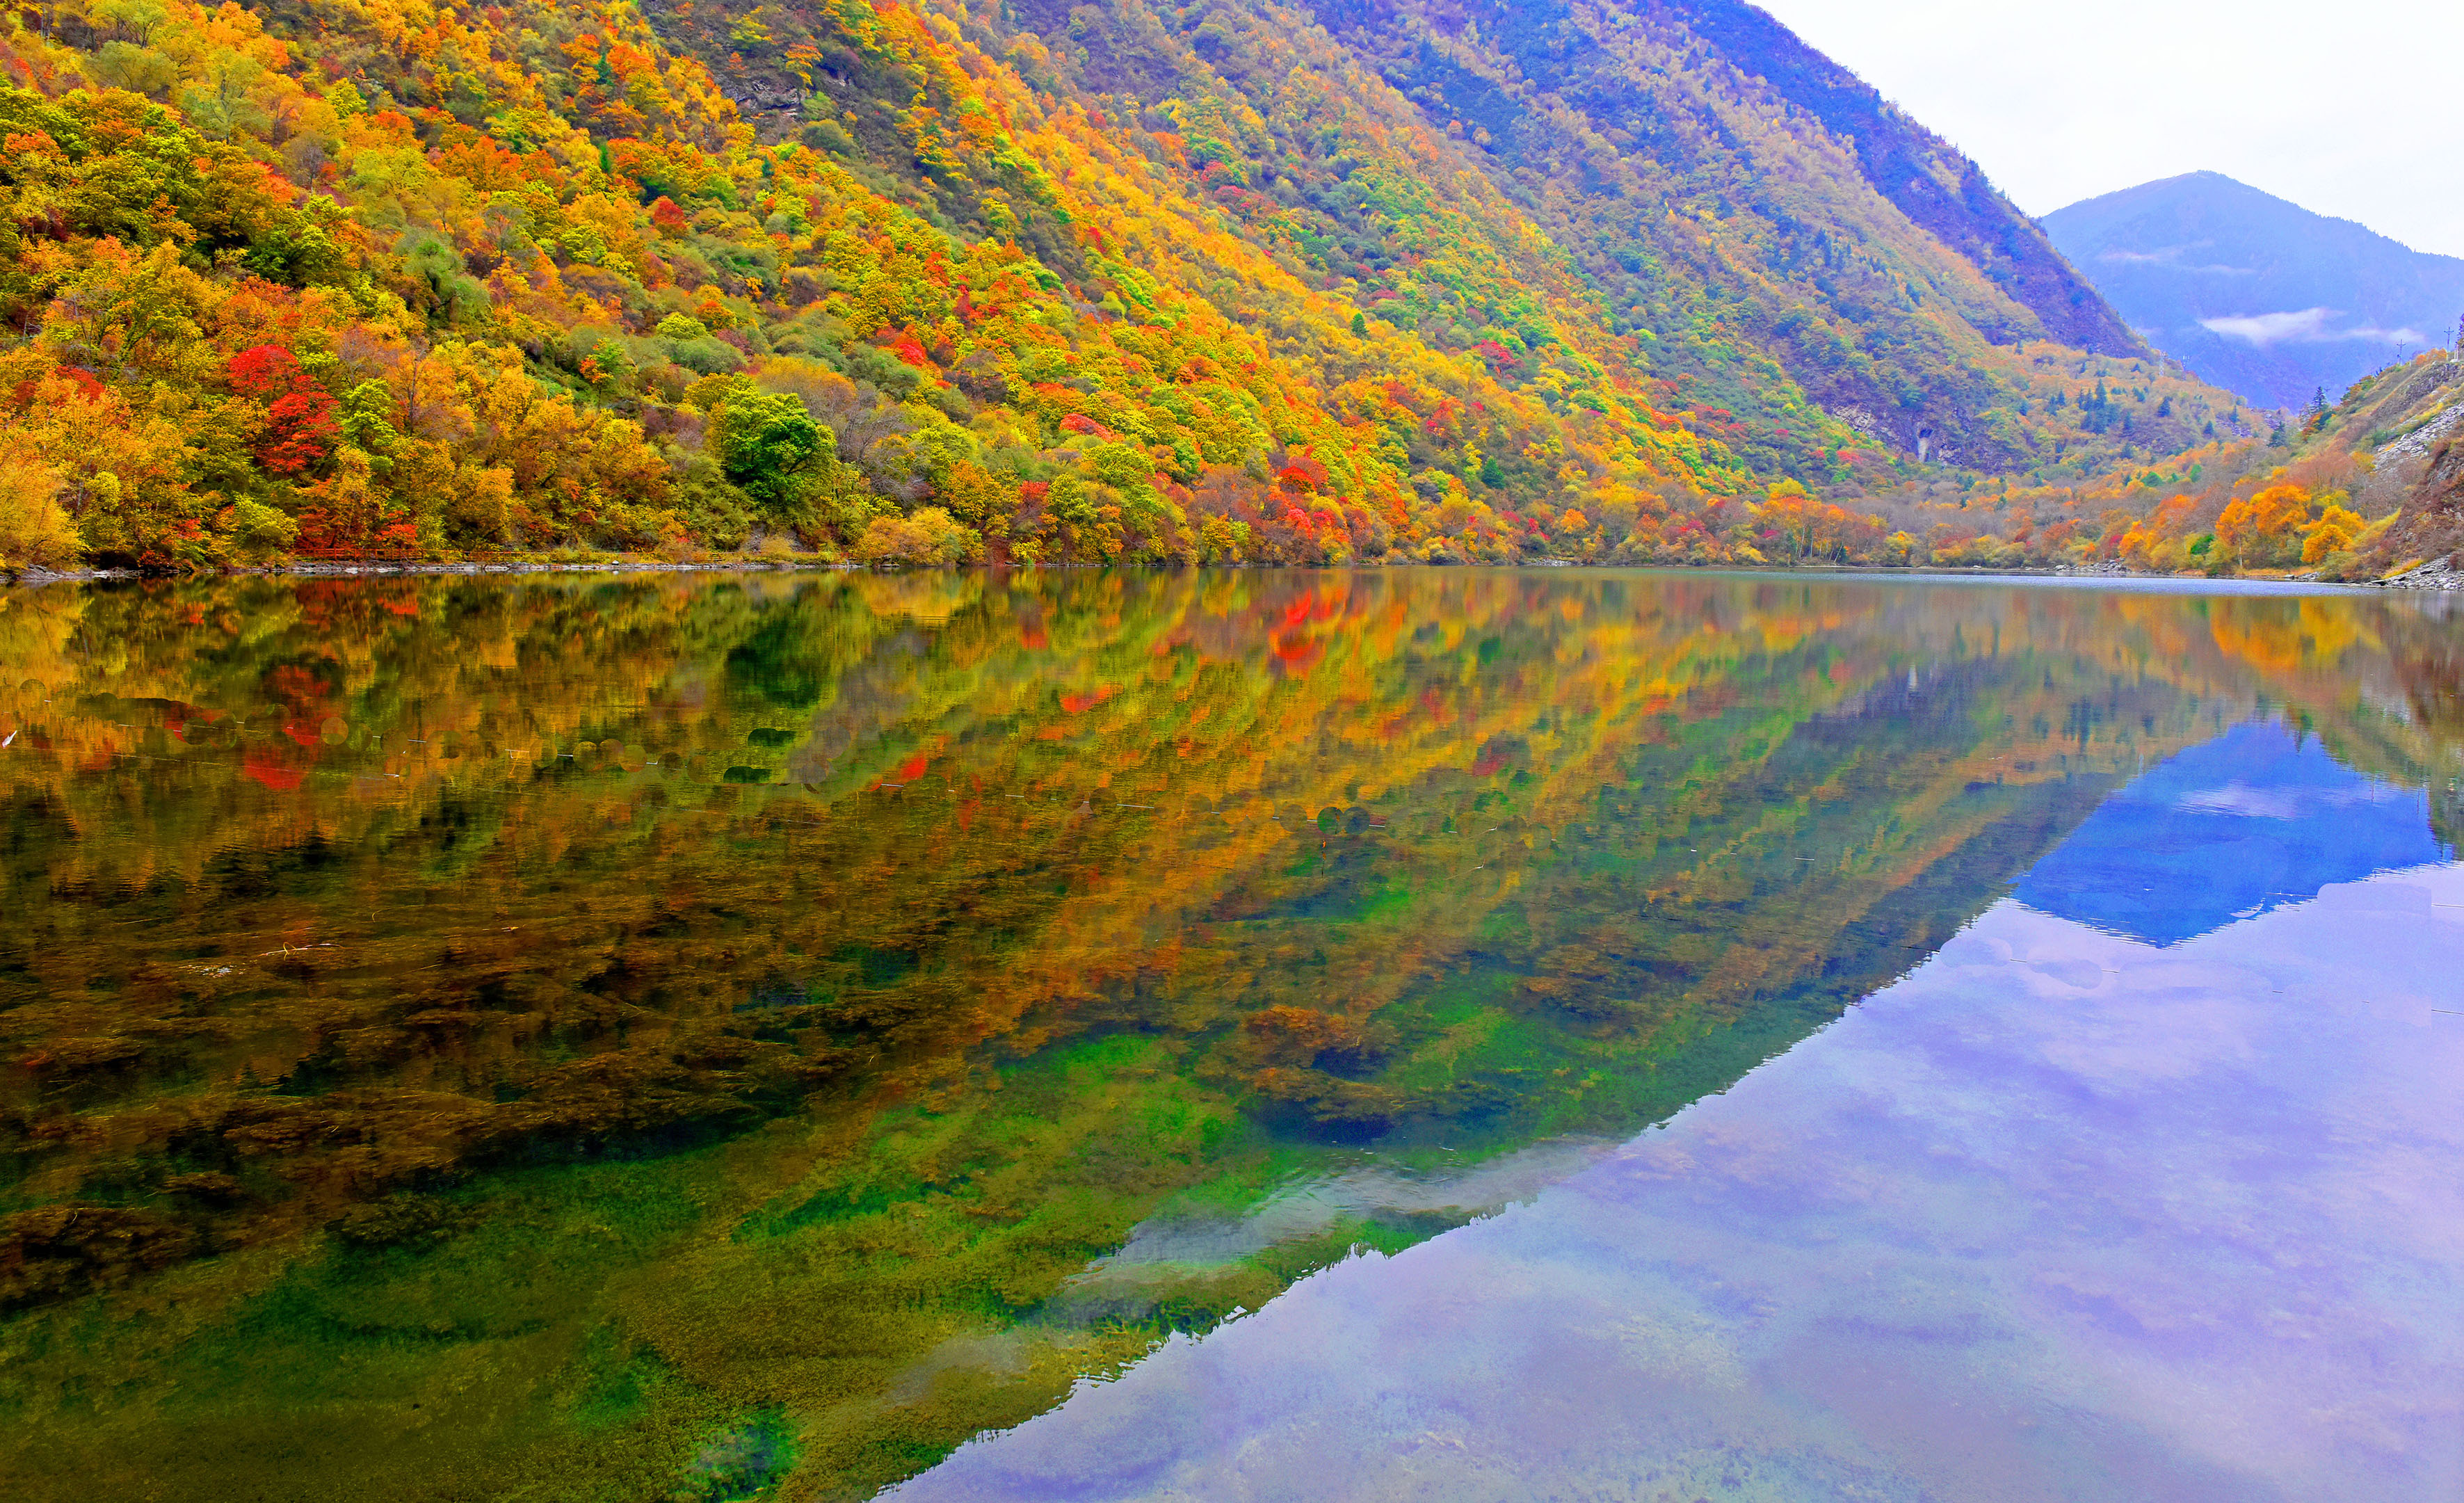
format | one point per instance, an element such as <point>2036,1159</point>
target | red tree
<point>299,423</point>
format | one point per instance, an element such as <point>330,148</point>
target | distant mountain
<point>2254,294</point>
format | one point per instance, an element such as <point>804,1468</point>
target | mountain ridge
<point>1893,151</point>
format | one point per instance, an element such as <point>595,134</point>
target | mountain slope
<point>2258,295</point>
<point>1939,190</point>
<point>1727,226</point>
<point>1011,281</point>
<point>1739,240</point>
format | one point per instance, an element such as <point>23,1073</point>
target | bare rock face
<point>752,98</point>
<point>2427,437</point>
<point>2443,493</point>
<point>2431,527</point>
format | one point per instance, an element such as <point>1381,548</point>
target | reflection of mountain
<point>2247,822</point>
<point>634,1016</point>
<point>2057,1217</point>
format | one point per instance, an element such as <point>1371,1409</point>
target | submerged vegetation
<point>695,1037</point>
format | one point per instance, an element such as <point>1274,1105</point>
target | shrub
<point>258,531</point>
<point>706,356</point>
<point>929,539</point>
<point>765,440</point>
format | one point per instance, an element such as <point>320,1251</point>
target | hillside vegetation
<point>935,284</point>
<point>2369,487</point>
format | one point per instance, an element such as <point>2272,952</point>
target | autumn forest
<point>941,283</point>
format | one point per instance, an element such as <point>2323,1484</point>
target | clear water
<point>1434,1035</point>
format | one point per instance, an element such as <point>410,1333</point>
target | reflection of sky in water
<point>2058,1216</point>
<point>2228,828</point>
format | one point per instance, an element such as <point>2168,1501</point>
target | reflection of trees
<point>2379,686</point>
<point>1021,907</point>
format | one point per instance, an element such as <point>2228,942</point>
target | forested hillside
<point>2365,487</point>
<point>939,283</point>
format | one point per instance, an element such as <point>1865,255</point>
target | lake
<point>1230,1034</point>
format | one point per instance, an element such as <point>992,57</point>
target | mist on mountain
<point>2259,295</point>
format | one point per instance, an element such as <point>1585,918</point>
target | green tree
<point>766,442</point>
<point>260,532</point>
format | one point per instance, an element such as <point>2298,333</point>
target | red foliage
<point>299,431</point>
<point>265,372</point>
<point>299,425</point>
<point>1080,423</point>
<point>904,344</point>
<point>319,531</point>
<point>1303,473</point>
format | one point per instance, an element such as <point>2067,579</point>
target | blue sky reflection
<point>2247,822</point>
<point>2063,1214</point>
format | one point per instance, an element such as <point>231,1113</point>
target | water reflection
<point>2255,819</point>
<point>2061,1215</point>
<point>690,1036</point>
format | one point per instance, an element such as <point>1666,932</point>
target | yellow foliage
<point>2262,526</point>
<point>2333,532</point>
<point>35,533</point>
<point>930,538</point>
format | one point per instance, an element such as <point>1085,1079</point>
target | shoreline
<point>2435,576</point>
<point>384,568</point>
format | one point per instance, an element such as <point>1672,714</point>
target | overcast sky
<point>2353,108</point>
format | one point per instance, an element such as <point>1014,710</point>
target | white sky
<point>2348,108</point>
